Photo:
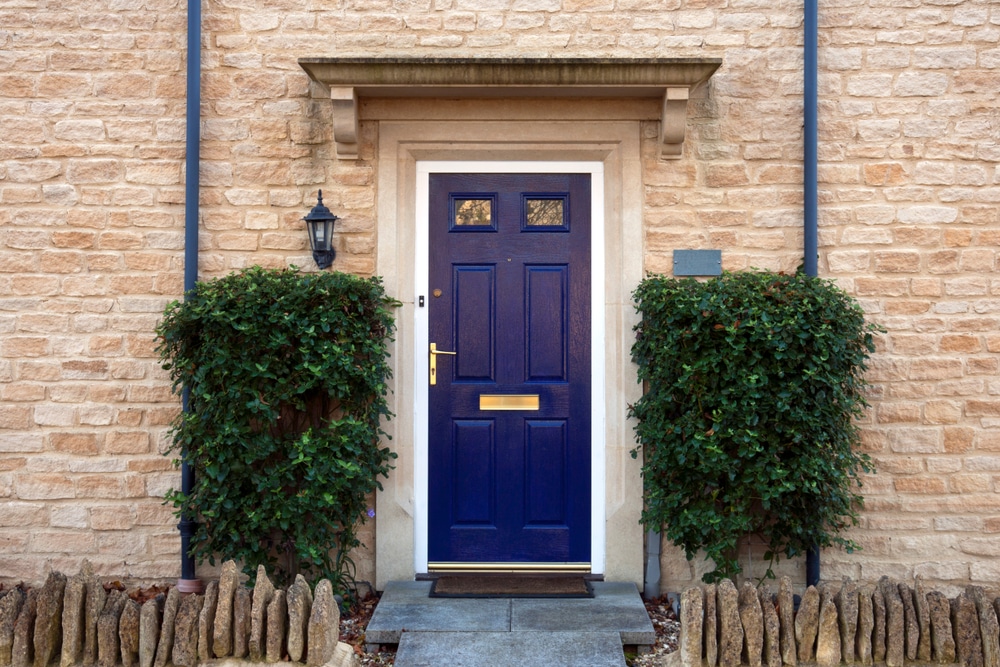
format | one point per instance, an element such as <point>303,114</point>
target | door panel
<point>510,296</point>
<point>475,321</point>
<point>546,315</point>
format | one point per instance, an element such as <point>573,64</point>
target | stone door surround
<point>669,79</point>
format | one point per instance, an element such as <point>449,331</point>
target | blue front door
<point>509,423</point>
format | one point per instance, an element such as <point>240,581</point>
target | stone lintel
<point>669,79</point>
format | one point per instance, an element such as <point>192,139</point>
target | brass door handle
<point>433,365</point>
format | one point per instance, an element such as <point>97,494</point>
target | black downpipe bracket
<point>810,244</point>
<point>189,583</point>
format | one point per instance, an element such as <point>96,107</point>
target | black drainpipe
<point>811,200</point>
<point>189,583</point>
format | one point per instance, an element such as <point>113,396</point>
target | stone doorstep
<point>521,648</point>
<point>405,606</point>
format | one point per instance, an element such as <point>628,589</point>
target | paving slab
<point>499,649</point>
<point>407,605</point>
<point>616,606</point>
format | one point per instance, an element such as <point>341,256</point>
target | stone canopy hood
<point>669,79</point>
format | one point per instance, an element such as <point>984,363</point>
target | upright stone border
<point>10,609</point>
<point>263,591</point>
<point>74,622</point>
<point>150,621</point>
<point>96,596</point>
<point>730,627</point>
<point>206,622</point>
<point>222,635</point>
<point>48,623</point>
<point>847,623</point>
<point>299,599</point>
<point>128,633</point>
<point>752,619</point>
<point>692,624</point>
<point>807,624</point>
<point>786,620</point>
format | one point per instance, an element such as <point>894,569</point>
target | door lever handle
<point>433,363</point>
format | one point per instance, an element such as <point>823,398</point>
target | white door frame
<point>597,327</point>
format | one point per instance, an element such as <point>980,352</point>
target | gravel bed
<point>665,623</point>
<point>667,629</point>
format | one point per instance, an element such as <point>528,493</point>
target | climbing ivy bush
<point>285,377</point>
<point>754,382</point>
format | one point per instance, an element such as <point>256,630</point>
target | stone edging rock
<point>73,622</point>
<point>887,622</point>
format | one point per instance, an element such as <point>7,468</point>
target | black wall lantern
<point>319,223</point>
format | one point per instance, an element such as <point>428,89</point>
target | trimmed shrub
<point>285,377</point>
<point>747,426</point>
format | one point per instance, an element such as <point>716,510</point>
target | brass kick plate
<point>509,567</point>
<point>508,401</point>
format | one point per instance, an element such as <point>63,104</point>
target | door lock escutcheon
<point>433,364</point>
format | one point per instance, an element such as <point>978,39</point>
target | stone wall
<point>91,227</point>
<point>887,622</point>
<point>75,621</point>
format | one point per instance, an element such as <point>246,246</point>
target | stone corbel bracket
<point>673,123</point>
<point>671,79</point>
<point>345,121</point>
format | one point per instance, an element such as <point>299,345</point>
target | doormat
<point>511,586</point>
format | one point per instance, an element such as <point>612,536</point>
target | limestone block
<point>924,619</point>
<point>786,618</point>
<point>965,624</point>
<point>10,608</point>
<point>23,649</point>
<point>828,634</point>
<point>206,621</point>
<point>48,621</point>
<point>72,621</point>
<point>93,606</point>
<point>108,642</point>
<point>324,626</point>
<point>150,619</point>
<point>343,656</point>
<point>752,620</point>
<point>942,637</point>
<point>242,604</point>
<point>299,600</point>
<point>847,616</point>
<point>277,627</point>
<point>866,625</point>
<point>692,625</point>
<point>711,628</point>
<point>989,628</point>
<point>222,634</point>
<point>165,646</point>
<point>911,627</point>
<point>185,649</point>
<point>807,624</point>
<point>263,591</point>
<point>772,629</point>
<point>878,633</point>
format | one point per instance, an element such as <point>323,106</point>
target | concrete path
<point>465,632</point>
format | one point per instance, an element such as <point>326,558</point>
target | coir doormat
<point>511,586</point>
